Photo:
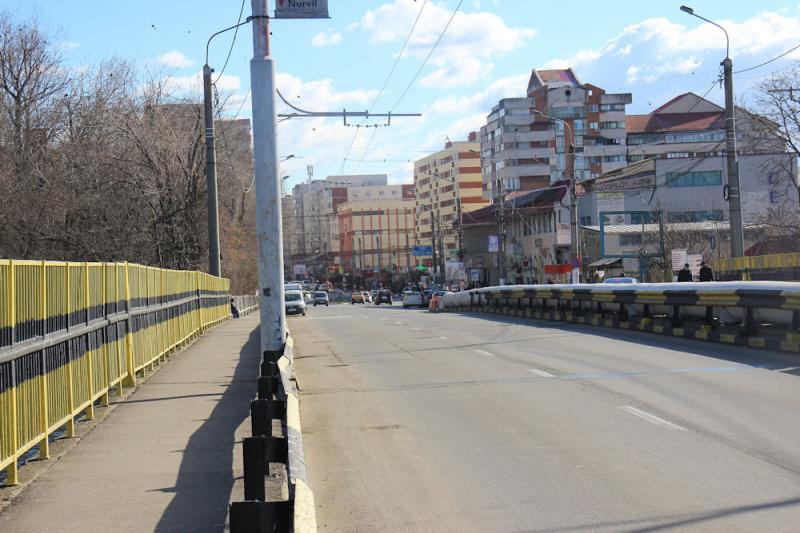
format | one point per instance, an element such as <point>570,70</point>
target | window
<point>694,216</point>
<point>612,125</point>
<point>677,155</point>
<point>695,137</point>
<point>593,126</point>
<point>594,108</point>
<point>612,107</point>
<point>630,239</point>
<point>704,178</point>
<point>614,158</point>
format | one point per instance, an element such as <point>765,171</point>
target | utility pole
<point>733,191</point>
<point>434,263</point>
<point>214,267</point>
<point>268,187</point>
<point>502,225</point>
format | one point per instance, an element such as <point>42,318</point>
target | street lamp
<point>573,203</point>
<point>732,192</point>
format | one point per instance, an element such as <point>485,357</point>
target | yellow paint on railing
<point>47,389</point>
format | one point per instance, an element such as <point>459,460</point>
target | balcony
<point>524,153</point>
<point>527,136</point>
<point>524,170</point>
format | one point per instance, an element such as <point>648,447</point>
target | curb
<point>305,518</point>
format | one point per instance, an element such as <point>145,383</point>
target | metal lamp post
<point>732,189</point>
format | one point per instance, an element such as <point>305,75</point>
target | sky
<point>650,49</point>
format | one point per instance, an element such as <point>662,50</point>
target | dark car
<point>383,296</point>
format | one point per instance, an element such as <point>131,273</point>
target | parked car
<point>621,280</point>
<point>383,297</point>
<point>294,303</point>
<point>413,298</point>
<point>321,298</point>
<point>357,298</point>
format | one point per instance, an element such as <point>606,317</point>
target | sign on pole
<point>494,243</point>
<point>301,9</point>
<point>679,258</point>
<point>423,251</point>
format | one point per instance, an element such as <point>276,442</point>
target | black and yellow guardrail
<point>757,314</point>
<point>70,333</point>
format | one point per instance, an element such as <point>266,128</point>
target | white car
<point>294,303</point>
<point>413,298</point>
<point>292,287</point>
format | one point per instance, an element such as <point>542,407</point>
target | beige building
<point>448,187</point>
<point>377,235</point>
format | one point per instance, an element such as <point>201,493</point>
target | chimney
<point>473,136</point>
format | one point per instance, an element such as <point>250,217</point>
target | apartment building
<point>316,212</point>
<point>563,128</point>
<point>376,235</point>
<point>448,187</point>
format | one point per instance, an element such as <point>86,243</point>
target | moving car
<point>357,298</point>
<point>321,298</point>
<point>413,298</point>
<point>294,303</point>
<point>621,280</point>
<point>367,297</point>
<point>383,296</point>
<point>292,287</point>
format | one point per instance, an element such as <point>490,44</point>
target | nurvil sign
<point>301,9</point>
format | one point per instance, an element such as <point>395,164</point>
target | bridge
<point>131,401</point>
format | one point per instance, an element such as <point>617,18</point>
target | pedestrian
<point>549,281</point>
<point>685,274</point>
<point>706,274</point>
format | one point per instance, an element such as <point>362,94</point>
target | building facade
<point>563,128</point>
<point>448,187</point>
<point>377,235</point>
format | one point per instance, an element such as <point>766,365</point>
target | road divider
<point>759,314</point>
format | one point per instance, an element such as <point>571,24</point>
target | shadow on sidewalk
<point>203,488</point>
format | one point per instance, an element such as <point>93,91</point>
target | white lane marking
<point>399,323</point>
<point>416,329</point>
<point>644,415</point>
<point>542,373</point>
<point>443,337</point>
<point>383,319</point>
<point>331,317</point>
<point>483,352</point>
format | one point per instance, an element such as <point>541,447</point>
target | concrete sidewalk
<point>166,458</point>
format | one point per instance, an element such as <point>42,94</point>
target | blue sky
<point>650,49</point>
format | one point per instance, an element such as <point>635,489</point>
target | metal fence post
<point>44,445</point>
<point>130,379</point>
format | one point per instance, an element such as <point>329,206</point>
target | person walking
<point>706,274</point>
<point>685,274</point>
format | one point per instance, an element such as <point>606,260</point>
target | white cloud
<point>193,84</point>
<point>68,45</point>
<point>326,38</point>
<point>462,56</point>
<point>662,47</point>
<point>174,59</point>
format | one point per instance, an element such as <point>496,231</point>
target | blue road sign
<point>423,251</point>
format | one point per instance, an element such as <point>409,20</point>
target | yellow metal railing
<point>70,333</point>
<point>757,262</point>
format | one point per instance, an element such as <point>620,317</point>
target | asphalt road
<point>447,422</point>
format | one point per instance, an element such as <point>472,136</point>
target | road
<point>448,422</point>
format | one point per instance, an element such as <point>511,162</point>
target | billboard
<point>301,9</point>
<point>494,243</point>
<point>423,251</point>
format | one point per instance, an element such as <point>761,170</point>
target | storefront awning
<point>606,261</point>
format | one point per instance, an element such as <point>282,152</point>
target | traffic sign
<point>301,9</point>
<point>423,251</point>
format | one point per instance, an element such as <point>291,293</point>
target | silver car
<point>294,303</point>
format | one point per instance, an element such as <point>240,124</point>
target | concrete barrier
<point>759,314</point>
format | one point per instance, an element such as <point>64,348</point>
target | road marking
<point>416,329</point>
<point>483,352</point>
<point>443,337</point>
<point>383,319</point>
<point>644,415</point>
<point>542,373</point>
<point>399,323</point>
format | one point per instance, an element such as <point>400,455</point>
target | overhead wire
<point>233,42</point>
<point>767,62</point>
<point>414,78</point>
<point>383,87</point>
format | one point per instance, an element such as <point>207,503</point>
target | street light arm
<point>691,12</point>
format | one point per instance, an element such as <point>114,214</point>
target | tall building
<point>377,235</point>
<point>563,128</point>
<point>316,213</point>
<point>448,185</point>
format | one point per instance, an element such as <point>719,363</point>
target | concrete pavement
<point>164,459</point>
<point>447,422</point>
